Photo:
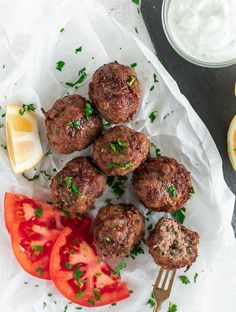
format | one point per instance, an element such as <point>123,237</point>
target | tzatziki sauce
<point>204,29</point>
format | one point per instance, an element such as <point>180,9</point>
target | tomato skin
<point>30,230</point>
<point>63,278</point>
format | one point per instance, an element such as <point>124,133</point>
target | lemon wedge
<point>23,142</point>
<point>231,142</point>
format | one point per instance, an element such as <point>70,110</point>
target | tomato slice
<point>34,227</point>
<point>80,275</point>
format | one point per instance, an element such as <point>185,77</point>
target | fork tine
<point>165,279</point>
<point>158,278</point>
<point>171,280</point>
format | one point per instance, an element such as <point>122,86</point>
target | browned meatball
<point>115,90</point>
<point>120,150</point>
<point>172,245</point>
<point>72,124</point>
<point>117,229</point>
<point>162,184</point>
<point>76,187</point>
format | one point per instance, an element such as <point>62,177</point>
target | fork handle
<point>156,307</point>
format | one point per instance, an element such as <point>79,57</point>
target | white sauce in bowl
<point>204,29</point>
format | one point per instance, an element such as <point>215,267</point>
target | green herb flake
<point>110,166</point>
<point>131,81</point>
<point>195,277</point>
<point>27,108</point>
<point>136,30</point>
<point>113,304</point>
<point>1,126</point>
<point>48,153</point>
<point>191,192</point>
<point>184,279</point>
<point>133,65</point>
<point>152,116</point>
<point>171,190</point>
<point>65,309</point>
<point>155,78</point>
<point>49,294</point>
<point>179,215</point>
<point>78,50</point>
<point>35,177</point>
<point>74,123</point>
<point>136,1</point>
<point>44,305</point>
<point>37,248</point>
<point>38,212</point>
<point>108,201</point>
<point>40,271</point>
<point>150,227</point>
<point>78,274</point>
<point>82,75</point>
<point>172,307</point>
<point>119,267</point>
<point>91,301</point>
<point>106,125</point>
<point>136,251</point>
<point>60,65</point>
<point>4,114</point>
<point>152,88</point>
<point>68,265</point>
<point>62,29</point>
<point>98,275</point>
<point>88,110</point>
<point>151,301</point>
<point>78,308</point>
<point>126,166</point>
<point>46,175</point>
<point>3,146</point>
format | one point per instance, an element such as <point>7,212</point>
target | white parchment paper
<point>30,46</point>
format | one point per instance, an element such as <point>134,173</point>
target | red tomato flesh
<point>80,275</point>
<point>34,227</point>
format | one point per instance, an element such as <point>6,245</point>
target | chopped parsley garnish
<point>108,201</point>
<point>136,29</point>
<point>82,75</point>
<point>46,175</point>
<point>98,275</point>
<point>91,301</point>
<point>171,190</point>
<point>72,188</point>
<point>48,153</point>
<point>113,304</point>
<point>88,110</point>
<point>133,65</point>
<point>65,309</point>
<point>155,78</point>
<point>4,114</point>
<point>152,116</point>
<point>60,65</point>
<point>37,248</point>
<point>26,108</point>
<point>62,29</point>
<point>73,123</point>
<point>1,125</point>
<point>179,215</point>
<point>152,88</point>
<point>49,294</point>
<point>35,177</point>
<point>150,227</point>
<point>184,279</point>
<point>136,1</point>
<point>119,267</point>
<point>40,271</point>
<point>157,150</point>
<point>38,212</point>
<point>78,274</point>
<point>78,308</point>
<point>192,192</point>
<point>116,146</point>
<point>126,166</point>
<point>111,166</point>
<point>3,146</point>
<point>79,294</point>
<point>117,184</point>
<point>137,250</point>
<point>195,277</point>
<point>131,80</point>
<point>151,301</point>
<point>44,305</point>
<point>172,307</point>
<point>78,50</point>
<point>68,265</point>
<point>106,125</point>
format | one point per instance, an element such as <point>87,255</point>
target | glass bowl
<point>179,50</point>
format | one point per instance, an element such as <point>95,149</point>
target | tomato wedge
<point>80,275</point>
<point>34,227</point>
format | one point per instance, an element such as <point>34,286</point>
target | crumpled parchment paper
<point>31,44</point>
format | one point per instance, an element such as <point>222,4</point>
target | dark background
<point>210,91</point>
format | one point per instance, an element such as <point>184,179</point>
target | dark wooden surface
<point>210,91</point>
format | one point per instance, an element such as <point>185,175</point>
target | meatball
<point>162,184</point>
<point>120,150</point>
<point>117,229</point>
<point>115,90</point>
<point>172,245</point>
<point>72,124</point>
<point>76,187</point>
